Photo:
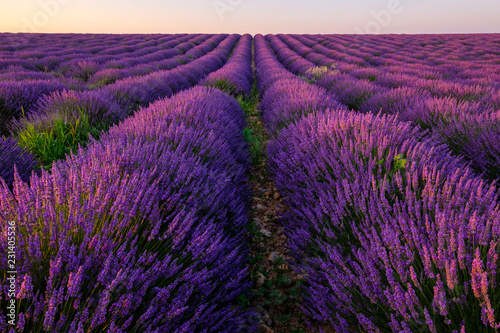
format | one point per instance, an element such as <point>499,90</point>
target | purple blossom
<point>327,166</point>
<point>236,76</point>
<point>19,97</point>
<point>159,205</point>
<point>13,157</point>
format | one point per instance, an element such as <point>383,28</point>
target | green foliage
<point>399,162</point>
<point>254,134</point>
<point>244,301</point>
<point>317,72</point>
<point>50,144</point>
<point>398,165</point>
<point>247,135</point>
<point>313,74</point>
<point>224,85</point>
<point>256,144</point>
<point>102,82</point>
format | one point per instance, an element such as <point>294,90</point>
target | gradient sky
<point>252,16</point>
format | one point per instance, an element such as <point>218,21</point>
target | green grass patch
<point>224,85</point>
<point>49,144</point>
<point>254,134</point>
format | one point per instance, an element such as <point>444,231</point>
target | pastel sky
<point>252,16</point>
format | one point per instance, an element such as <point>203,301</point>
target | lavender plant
<point>19,97</point>
<point>289,100</point>
<point>236,76</point>
<point>467,128</point>
<point>139,232</point>
<point>391,231</point>
<point>63,121</point>
<point>15,159</point>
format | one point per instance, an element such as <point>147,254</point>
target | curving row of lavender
<point>134,92</point>
<point>236,76</point>
<point>105,106</point>
<point>28,91</point>
<point>456,97</point>
<point>144,230</point>
<point>82,56</point>
<point>141,232</point>
<point>391,232</point>
<point>285,97</point>
<point>19,96</point>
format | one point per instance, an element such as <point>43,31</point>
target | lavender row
<point>236,76</point>
<point>285,97</point>
<point>458,55</point>
<point>141,232</point>
<point>19,97</point>
<point>93,68</point>
<point>383,77</point>
<point>478,72</point>
<point>25,43</point>
<point>170,58</point>
<point>465,117</point>
<point>101,108</point>
<point>133,92</point>
<point>391,232</point>
<point>47,55</point>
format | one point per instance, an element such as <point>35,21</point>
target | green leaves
<point>50,144</point>
<point>224,85</point>
<point>254,134</point>
<point>399,162</point>
<point>244,301</point>
<point>247,135</point>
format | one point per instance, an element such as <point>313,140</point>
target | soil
<point>278,308</point>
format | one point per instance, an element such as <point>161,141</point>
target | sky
<point>250,16</point>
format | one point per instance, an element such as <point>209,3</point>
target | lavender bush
<point>82,70</point>
<point>350,91</point>
<point>134,238</point>
<point>13,157</point>
<point>289,100</point>
<point>391,231</point>
<point>236,76</point>
<point>394,101</point>
<point>16,97</point>
<point>467,128</point>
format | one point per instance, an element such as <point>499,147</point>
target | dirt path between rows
<point>276,292</point>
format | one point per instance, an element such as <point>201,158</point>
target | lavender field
<point>131,165</point>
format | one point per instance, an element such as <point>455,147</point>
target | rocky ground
<point>276,293</point>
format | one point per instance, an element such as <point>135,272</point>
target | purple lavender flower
<point>289,100</point>
<point>13,157</point>
<point>143,231</point>
<point>16,97</point>
<point>236,76</point>
<point>370,199</point>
